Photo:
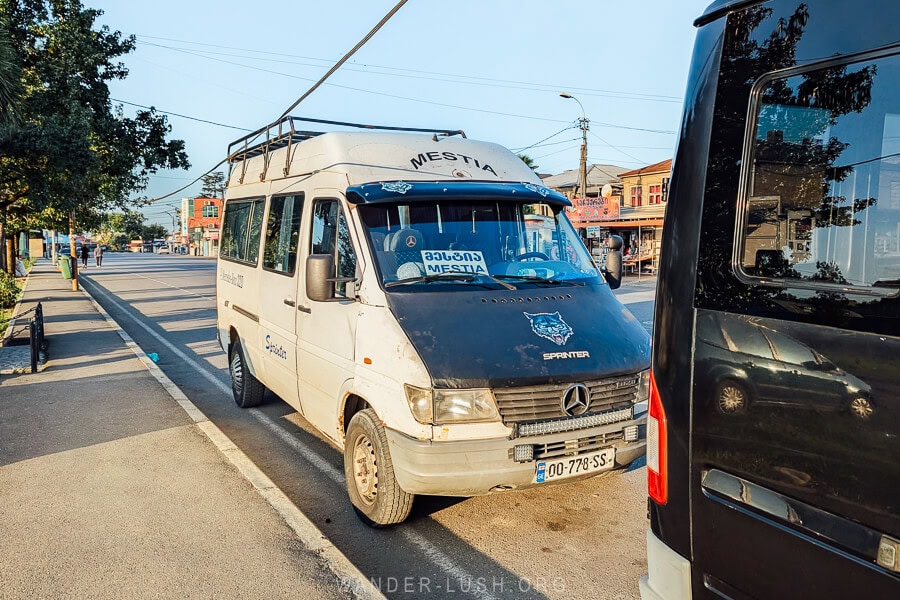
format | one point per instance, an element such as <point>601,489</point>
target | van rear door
<point>795,399</point>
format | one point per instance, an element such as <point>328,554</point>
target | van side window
<point>283,234</point>
<point>330,235</point>
<point>823,203</point>
<point>241,229</point>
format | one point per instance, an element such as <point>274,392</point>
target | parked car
<point>163,250</point>
<point>746,362</point>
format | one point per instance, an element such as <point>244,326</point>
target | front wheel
<point>247,389</point>
<point>374,492</point>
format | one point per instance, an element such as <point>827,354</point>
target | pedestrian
<point>98,255</point>
<point>84,256</point>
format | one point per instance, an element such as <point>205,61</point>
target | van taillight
<point>657,456</point>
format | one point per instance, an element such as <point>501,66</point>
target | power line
<point>442,77</point>
<point>178,115</point>
<point>614,148</point>
<point>429,102</point>
<point>346,57</point>
<point>553,143</point>
<point>365,91</point>
<point>545,139</point>
<point>359,45</point>
<point>489,80</point>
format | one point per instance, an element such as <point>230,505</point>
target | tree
<point>529,161</point>
<point>72,149</point>
<point>129,223</point>
<point>213,185</point>
<point>10,75</point>
<point>154,231</point>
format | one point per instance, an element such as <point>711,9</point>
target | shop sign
<point>594,209</point>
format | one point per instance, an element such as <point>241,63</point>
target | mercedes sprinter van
<point>423,301</point>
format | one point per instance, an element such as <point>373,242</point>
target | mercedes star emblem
<point>576,400</point>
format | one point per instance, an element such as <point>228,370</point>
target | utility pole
<point>584,124</point>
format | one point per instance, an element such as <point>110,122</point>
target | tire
<point>374,493</point>
<point>731,397</point>
<point>247,390</point>
<point>861,408</point>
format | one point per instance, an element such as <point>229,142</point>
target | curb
<point>350,578</point>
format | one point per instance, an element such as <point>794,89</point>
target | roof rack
<point>284,133</point>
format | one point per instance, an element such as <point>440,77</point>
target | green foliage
<point>528,161</point>
<point>71,148</point>
<point>213,185</point>
<point>154,232</point>
<point>9,290</point>
<point>10,76</point>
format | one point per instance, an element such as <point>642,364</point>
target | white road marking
<point>463,578</point>
<point>350,577</point>
<point>302,449</point>
<point>632,297</point>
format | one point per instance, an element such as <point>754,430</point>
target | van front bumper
<point>478,467</point>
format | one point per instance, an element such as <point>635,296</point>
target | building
<point>633,206</point>
<point>200,224</point>
<point>597,177</point>
<point>640,221</point>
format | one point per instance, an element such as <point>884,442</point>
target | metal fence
<point>37,343</point>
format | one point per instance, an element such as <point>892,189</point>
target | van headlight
<point>420,403</point>
<point>643,395</point>
<point>451,406</point>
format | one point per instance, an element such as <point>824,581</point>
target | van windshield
<point>481,241</point>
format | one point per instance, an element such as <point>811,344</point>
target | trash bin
<point>64,267</point>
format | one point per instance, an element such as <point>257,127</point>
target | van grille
<point>576,447</point>
<point>544,402</point>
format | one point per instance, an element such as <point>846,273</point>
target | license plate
<point>572,466</point>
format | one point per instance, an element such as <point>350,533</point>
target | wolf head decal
<point>550,326</point>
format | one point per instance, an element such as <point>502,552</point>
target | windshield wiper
<point>434,277</point>
<point>537,279</point>
<point>449,277</point>
<point>534,278</point>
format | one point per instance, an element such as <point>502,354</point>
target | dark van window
<point>241,229</point>
<point>330,235</point>
<point>282,234</point>
<point>823,202</point>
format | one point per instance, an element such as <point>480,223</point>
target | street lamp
<point>584,124</point>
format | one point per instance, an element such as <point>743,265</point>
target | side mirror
<point>614,268</point>
<point>320,280</point>
<point>319,273</point>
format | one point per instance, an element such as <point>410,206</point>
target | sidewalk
<point>108,489</point>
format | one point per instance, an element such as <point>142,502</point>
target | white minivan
<point>423,301</point>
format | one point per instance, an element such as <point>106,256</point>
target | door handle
<point>290,302</point>
<point>305,309</point>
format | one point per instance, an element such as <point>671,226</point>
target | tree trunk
<point>74,259</point>
<point>2,242</point>
<point>11,255</point>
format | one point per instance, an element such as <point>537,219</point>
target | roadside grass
<point>10,292</point>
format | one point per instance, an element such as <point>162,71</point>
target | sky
<point>493,68</point>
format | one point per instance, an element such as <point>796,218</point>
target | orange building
<point>204,216</point>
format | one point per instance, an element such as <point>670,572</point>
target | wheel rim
<point>365,469</point>
<point>861,407</point>
<point>731,399</point>
<point>237,373</point>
